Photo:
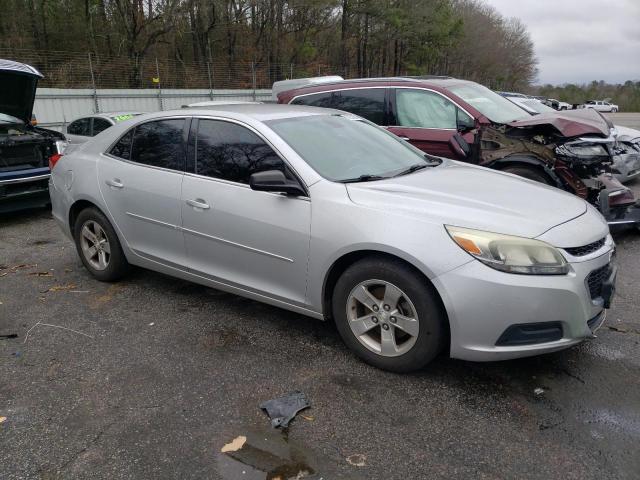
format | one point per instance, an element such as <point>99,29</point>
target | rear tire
<point>402,328</point>
<point>529,173</point>
<point>99,247</point>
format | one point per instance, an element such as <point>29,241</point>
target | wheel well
<point>344,262</point>
<point>526,164</point>
<point>75,210</point>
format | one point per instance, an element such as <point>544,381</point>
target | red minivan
<point>466,121</point>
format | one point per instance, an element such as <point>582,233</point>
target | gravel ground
<point>150,377</point>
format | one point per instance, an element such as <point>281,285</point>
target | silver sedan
<point>325,214</point>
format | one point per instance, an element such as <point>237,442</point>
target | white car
<point>82,129</point>
<point>601,106</point>
<point>558,105</point>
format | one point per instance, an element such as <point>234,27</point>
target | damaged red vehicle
<point>466,121</point>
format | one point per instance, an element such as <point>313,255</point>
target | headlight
<point>586,150</point>
<point>510,254</point>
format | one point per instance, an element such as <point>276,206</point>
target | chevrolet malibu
<point>324,213</point>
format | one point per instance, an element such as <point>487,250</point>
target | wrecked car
<point>625,144</point>
<point>466,121</point>
<point>25,149</point>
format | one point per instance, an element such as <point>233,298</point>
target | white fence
<point>56,107</point>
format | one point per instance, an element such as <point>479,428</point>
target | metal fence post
<point>96,107</point>
<point>253,79</point>
<point>159,85</point>
<point>210,81</point>
<point>291,71</point>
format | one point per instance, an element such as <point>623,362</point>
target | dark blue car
<point>25,150</point>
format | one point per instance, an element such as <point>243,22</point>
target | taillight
<point>53,159</point>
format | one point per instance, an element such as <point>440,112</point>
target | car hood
<point>456,193</point>
<point>18,84</point>
<point>570,123</point>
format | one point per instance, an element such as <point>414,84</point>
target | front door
<point>257,241</point>
<point>426,119</point>
<point>140,180</point>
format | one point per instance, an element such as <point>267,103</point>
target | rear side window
<point>81,126</point>
<point>324,99</point>
<point>160,144</point>
<point>99,125</point>
<point>122,149</point>
<point>229,151</point>
<point>367,102</point>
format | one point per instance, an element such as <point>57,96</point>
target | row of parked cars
<point>398,234</point>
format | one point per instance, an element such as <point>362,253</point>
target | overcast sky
<point>581,40</point>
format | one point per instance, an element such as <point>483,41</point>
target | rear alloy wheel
<point>388,314</point>
<point>529,173</point>
<point>99,247</point>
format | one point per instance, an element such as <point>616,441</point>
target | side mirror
<point>460,146</point>
<point>464,122</point>
<point>275,181</point>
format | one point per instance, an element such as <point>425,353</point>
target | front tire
<point>99,247</point>
<point>389,315</point>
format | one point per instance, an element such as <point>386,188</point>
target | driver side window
<point>425,109</point>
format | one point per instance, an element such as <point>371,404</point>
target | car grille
<point>595,281</point>
<point>586,249</point>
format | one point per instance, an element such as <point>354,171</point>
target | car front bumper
<point>22,190</point>
<point>483,303</point>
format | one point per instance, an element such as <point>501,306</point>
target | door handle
<point>198,203</point>
<point>406,139</point>
<point>115,183</point>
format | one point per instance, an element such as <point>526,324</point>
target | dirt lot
<point>150,377</point>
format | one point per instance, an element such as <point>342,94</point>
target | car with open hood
<point>326,214</point>
<point>25,149</point>
<point>464,120</point>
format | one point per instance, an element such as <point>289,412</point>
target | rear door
<point>426,119</point>
<point>253,240</point>
<point>140,180</point>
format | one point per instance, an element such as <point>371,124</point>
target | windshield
<point>536,106</point>
<point>344,149</point>
<point>493,106</point>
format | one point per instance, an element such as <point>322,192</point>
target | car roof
<point>260,112</point>
<point>112,114</point>
<point>426,81</point>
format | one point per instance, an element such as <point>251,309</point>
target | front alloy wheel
<point>389,314</point>
<point>382,318</point>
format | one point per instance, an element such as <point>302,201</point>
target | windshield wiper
<point>413,168</point>
<point>363,178</point>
